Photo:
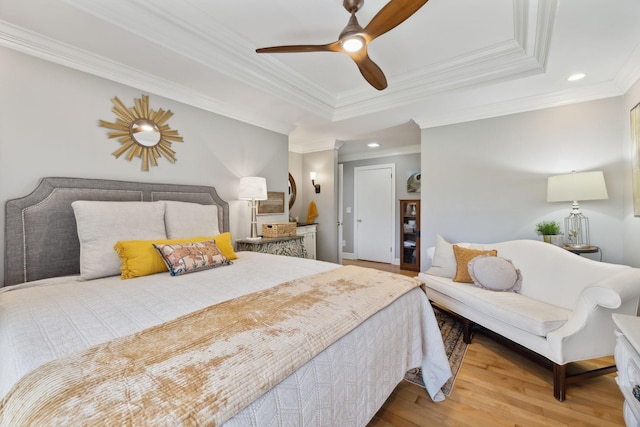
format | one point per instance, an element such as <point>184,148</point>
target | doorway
<point>374,213</point>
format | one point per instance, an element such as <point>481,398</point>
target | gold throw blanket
<point>188,371</point>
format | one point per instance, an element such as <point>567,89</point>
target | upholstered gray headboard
<point>41,240</point>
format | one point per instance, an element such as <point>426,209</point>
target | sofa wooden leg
<point>559,381</point>
<point>467,325</point>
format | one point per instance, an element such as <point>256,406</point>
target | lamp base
<point>254,239</point>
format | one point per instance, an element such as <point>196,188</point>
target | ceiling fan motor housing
<point>352,6</point>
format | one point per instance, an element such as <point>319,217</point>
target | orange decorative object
<point>312,212</point>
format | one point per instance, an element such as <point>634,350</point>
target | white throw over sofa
<point>561,311</point>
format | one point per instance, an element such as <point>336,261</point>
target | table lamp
<point>574,187</point>
<point>253,188</point>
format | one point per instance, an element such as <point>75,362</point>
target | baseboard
<point>351,255</point>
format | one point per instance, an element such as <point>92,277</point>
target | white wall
<point>49,127</point>
<point>485,181</point>
<point>324,163</point>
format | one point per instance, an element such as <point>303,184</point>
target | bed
<point>80,345</point>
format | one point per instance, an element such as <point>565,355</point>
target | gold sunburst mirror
<point>142,132</point>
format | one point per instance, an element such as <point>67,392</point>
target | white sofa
<point>562,310</point>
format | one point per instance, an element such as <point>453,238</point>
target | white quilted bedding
<point>344,385</point>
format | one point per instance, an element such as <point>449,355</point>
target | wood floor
<point>497,387</point>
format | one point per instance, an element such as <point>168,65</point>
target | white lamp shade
<point>252,188</point>
<point>576,187</point>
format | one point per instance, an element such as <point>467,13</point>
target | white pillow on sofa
<point>494,273</point>
<point>443,263</point>
<point>184,220</point>
<point>102,224</point>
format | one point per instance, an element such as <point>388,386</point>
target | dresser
<point>308,233</point>
<point>290,246</point>
<point>627,355</point>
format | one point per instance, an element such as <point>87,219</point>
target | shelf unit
<point>410,235</point>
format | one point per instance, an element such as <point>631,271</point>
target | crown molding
<point>499,62</point>
<point>225,51</point>
<point>521,105</point>
<point>313,147</point>
<point>525,54</point>
<point>376,154</point>
<point>630,71</point>
<point>33,44</point>
<point>221,50</point>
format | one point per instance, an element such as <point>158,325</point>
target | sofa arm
<point>592,327</point>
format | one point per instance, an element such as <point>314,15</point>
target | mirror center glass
<point>145,132</point>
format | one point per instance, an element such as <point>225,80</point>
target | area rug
<point>454,346</point>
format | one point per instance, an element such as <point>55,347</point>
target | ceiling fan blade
<point>390,16</point>
<point>331,47</point>
<point>369,69</point>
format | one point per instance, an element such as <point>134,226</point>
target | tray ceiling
<point>452,61</point>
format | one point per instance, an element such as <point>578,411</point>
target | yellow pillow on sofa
<point>140,258</point>
<point>463,256</point>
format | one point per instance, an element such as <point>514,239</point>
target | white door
<point>374,196</point>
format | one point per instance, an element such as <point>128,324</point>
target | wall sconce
<point>313,177</point>
<point>574,187</point>
<point>253,188</point>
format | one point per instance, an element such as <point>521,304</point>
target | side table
<point>289,246</point>
<point>584,250</point>
<point>308,232</point>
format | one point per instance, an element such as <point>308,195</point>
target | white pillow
<point>184,220</point>
<point>102,224</point>
<point>443,263</point>
<point>494,273</point>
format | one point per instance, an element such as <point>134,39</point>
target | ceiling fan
<point>354,39</point>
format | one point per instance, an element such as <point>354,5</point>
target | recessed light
<point>373,144</point>
<point>576,77</point>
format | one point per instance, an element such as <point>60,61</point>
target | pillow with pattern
<point>182,258</point>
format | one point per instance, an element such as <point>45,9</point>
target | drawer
<point>628,365</point>
<point>627,362</point>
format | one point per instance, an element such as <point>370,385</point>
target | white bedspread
<point>44,320</point>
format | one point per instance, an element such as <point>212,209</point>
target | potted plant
<point>548,229</point>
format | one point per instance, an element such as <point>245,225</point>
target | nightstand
<point>584,250</point>
<point>289,246</point>
<point>308,232</point>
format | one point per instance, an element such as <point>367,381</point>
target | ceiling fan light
<point>353,44</point>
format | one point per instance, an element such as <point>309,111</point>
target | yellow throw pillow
<point>463,256</point>
<point>140,258</point>
<point>224,243</point>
